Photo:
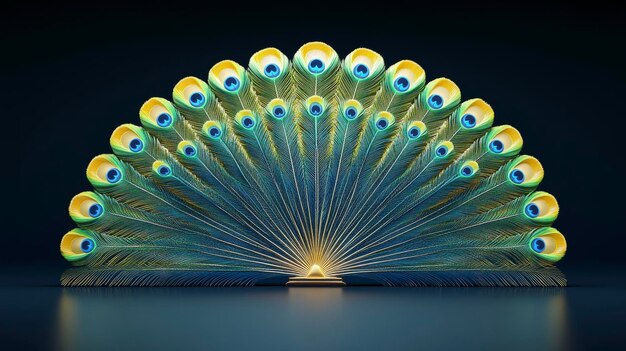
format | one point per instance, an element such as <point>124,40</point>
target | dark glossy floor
<point>590,314</point>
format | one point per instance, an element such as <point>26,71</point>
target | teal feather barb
<point>320,166</point>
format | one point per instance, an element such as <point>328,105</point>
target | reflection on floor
<point>364,318</point>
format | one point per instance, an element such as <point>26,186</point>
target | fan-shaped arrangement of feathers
<point>314,171</point>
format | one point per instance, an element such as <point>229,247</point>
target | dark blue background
<point>71,73</point>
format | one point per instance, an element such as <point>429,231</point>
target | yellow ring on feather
<point>128,139</point>
<point>469,168</point>
<point>363,63</point>
<point>269,62</point>
<point>212,129</point>
<point>277,108</point>
<point>505,140</point>
<point>246,118</point>
<point>541,207</point>
<point>383,120</point>
<point>444,149</point>
<point>187,149</point>
<point>475,114</point>
<point>531,171</point>
<point>416,130</point>
<point>191,92</point>
<point>227,76</point>
<point>406,76</point>
<point>441,93</point>
<point>548,244</point>
<point>161,169</point>
<point>73,246</point>
<point>352,109</point>
<point>316,50</point>
<point>86,207</point>
<point>158,113</point>
<point>104,170</point>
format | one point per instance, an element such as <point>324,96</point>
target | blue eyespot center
<point>532,210</point>
<point>231,83</point>
<point>441,151</point>
<point>135,145</point>
<point>114,175</point>
<point>435,101</point>
<point>414,132</point>
<point>351,112</point>
<point>87,245</point>
<point>361,71</point>
<point>164,120</point>
<point>164,170</point>
<point>272,70</point>
<point>517,176</point>
<point>468,120</point>
<point>279,112</point>
<point>247,122</point>
<point>467,171</point>
<point>315,109</point>
<point>496,146</point>
<point>189,150</point>
<point>95,210</point>
<point>538,245</point>
<point>215,132</point>
<point>382,124</point>
<point>197,99</point>
<point>401,84</point>
<point>316,66</point>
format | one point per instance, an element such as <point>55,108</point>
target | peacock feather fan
<point>314,169</point>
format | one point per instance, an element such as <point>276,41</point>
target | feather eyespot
<point>187,149</point>
<point>468,169</point>
<point>468,120</point>
<point>87,245</point>
<point>517,176</point>
<point>532,210</point>
<point>316,109</point>
<point>415,130</point>
<point>351,109</point>
<point>278,112</point>
<point>316,66</point>
<point>271,70</point>
<point>197,99</point>
<point>113,175</point>
<point>190,151</point>
<point>541,207</point>
<point>164,170</point>
<point>538,245</point>
<point>382,124</point>
<point>496,146</point>
<point>383,120</point>
<point>164,120</point>
<point>361,71</point>
<point>442,151</point>
<point>95,210</point>
<point>215,132</point>
<point>401,84</point>
<point>231,83</point>
<point>435,101</point>
<point>135,145</point>
<point>246,119</point>
<point>212,129</point>
<point>351,112</point>
<point>247,122</point>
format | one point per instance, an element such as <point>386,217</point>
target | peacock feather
<point>314,170</point>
